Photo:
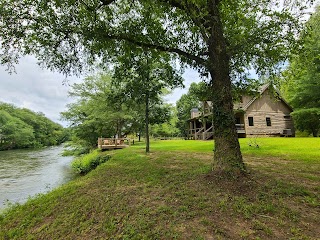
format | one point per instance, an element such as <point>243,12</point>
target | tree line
<point>23,128</point>
<point>300,82</point>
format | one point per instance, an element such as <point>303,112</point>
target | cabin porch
<point>202,129</point>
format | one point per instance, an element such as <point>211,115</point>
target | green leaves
<point>301,79</point>
<point>22,128</point>
<point>196,93</point>
<point>307,120</point>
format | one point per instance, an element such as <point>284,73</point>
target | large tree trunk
<point>227,154</point>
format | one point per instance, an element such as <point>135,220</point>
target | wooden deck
<point>113,143</point>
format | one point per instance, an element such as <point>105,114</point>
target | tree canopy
<point>23,128</point>
<point>219,38</point>
<point>68,35</point>
<point>144,76</point>
<point>105,108</point>
<point>302,79</point>
<point>97,110</point>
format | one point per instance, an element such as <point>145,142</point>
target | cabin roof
<point>262,89</point>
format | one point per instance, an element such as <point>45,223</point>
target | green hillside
<point>23,128</point>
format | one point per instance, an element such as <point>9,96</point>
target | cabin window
<point>250,120</point>
<point>268,121</point>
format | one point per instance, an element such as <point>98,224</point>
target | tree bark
<point>314,132</point>
<point>227,154</point>
<point>147,123</point>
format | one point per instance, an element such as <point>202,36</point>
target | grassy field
<point>171,194</point>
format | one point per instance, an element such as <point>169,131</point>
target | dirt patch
<point>241,184</point>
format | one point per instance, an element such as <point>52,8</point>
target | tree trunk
<point>147,123</point>
<point>227,154</point>
<point>315,132</point>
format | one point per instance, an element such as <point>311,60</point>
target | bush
<point>90,161</point>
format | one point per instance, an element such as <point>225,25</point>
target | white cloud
<point>35,88</point>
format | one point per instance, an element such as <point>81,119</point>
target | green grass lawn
<point>171,194</point>
<point>305,149</point>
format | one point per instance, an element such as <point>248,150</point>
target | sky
<point>41,90</point>
<point>36,89</point>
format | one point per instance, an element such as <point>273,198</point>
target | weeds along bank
<point>90,161</point>
<point>170,193</point>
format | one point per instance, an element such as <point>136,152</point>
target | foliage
<point>307,120</point>
<point>196,93</point>
<point>106,107</point>
<point>22,128</point>
<point>76,147</point>
<point>90,161</point>
<point>144,77</point>
<point>301,80</point>
<point>98,110</point>
<point>167,128</point>
<point>259,32</point>
<point>14,132</point>
<point>220,39</point>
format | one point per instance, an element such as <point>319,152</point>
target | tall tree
<point>98,110</point>
<point>219,38</point>
<point>301,84</point>
<point>144,76</point>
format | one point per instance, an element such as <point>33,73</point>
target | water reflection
<point>24,173</point>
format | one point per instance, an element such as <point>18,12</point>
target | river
<point>25,173</point>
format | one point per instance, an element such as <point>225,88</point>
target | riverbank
<point>170,193</point>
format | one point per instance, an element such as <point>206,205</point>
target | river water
<point>25,173</point>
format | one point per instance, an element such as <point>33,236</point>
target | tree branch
<point>197,59</point>
<point>190,8</point>
<point>175,3</point>
<point>107,2</point>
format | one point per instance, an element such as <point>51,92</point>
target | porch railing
<point>240,126</point>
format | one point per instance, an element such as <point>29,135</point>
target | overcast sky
<point>43,91</point>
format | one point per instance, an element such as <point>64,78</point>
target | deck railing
<point>116,142</point>
<point>194,130</point>
<point>199,133</point>
<point>208,133</point>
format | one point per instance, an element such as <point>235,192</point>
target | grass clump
<point>90,161</point>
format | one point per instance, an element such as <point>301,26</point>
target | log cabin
<point>265,114</point>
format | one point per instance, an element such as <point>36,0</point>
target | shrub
<point>90,161</point>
